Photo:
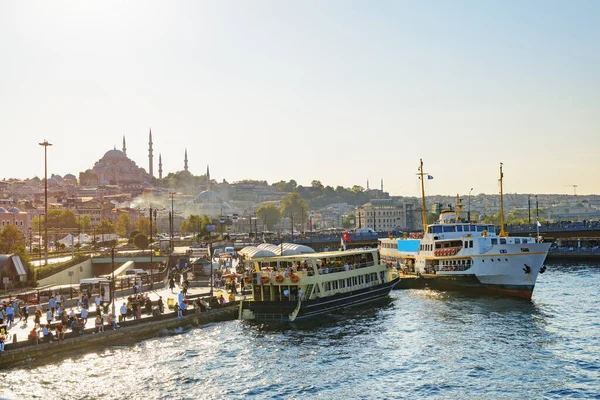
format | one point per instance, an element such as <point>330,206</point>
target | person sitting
<point>34,337</point>
<point>99,324</point>
<point>47,334</point>
<point>60,331</point>
<point>222,300</point>
<point>76,326</point>
<point>111,320</point>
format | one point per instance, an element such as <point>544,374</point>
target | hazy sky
<point>339,91</point>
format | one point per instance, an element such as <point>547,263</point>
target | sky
<point>336,91</point>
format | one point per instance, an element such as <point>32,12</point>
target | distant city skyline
<point>341,93</point>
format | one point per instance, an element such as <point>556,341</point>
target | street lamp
<point>112,296</point>
<point>151,253</point>
<point>469,211</point>
<point>171,220</point>
<point>45,144</point>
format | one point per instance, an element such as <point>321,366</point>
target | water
<point>420,343</point>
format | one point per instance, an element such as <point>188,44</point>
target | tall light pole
<point>45,144</point>
<point>469,211</point>
<point>112,283</point>
<point>529,207</point>
<point>151,253</point>
<point>172,220</point>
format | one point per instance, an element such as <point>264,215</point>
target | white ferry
<point>457,255</point>
<point>298,287</point>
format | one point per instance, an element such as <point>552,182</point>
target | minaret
<point>367,184</point>
<point>159,166</point>
<point>124,147</point>
<point>381,185</point>
<point>150,159</point>
<point>185,160</point>
<point>207,178</point>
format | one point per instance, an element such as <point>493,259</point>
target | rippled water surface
<point>420,343</point>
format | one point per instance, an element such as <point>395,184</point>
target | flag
<point>429,177</point>
<point>342,243</point>
<point>538,224</point>
<point>345,237</point>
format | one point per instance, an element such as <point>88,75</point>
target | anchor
<point>527,268</point>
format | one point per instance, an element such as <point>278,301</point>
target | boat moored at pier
<point>453,254</point>
<point>298,287</point>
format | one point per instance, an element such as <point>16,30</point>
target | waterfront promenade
<point>17,336</point>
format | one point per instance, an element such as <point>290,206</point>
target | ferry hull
<point>471,284</point>
<point>280,311</point>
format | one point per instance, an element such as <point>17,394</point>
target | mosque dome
<point>53,181</point>
<point>70,176</point>
<point>114,154</point>
<point>14,210</point>
<point>3,210</point>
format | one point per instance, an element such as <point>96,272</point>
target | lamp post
<point>151,253</point>
<point>537,210</point>
<point>469,208</point>
<point>210,256</point>
<point>112,282</point>
<point>30,242</point>
<point>171,220</point>
<point>529,207</point>
<point>45,144</point>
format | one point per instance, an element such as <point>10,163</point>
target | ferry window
<point>428,228</point>
<point>517,241</point>
<point>481,228</point>
<point>470,243</point>
<point>494,241</point>
<point>367,278</point>
<point>459,228</point>
<point>502,240</point>
<point>355,280</point>
<point>437,229</point>
<point>491,229</point>
<point>472,228</point>
<point>448,228</point>
<point>349,282</point>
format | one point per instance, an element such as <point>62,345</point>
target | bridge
<point>557,230</point>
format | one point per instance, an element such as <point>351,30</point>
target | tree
<point>295,207</point>
<point>316,184</point>
<point>269,214</point>
<point>85,224</point>
<point>11,239</point>
<point>143,225</point>
<point>205,221</point>
<point>106,227</point>
<point>123,225</point>
<point>88,178</point>
<point>349,221</point>
<point>141,241</point>
<point>193,223</point>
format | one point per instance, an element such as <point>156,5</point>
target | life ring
<point>294,278</point>
<point>265,279</point>
<point>248,279</point>
<point>279,278</point>
<point>454,251</point>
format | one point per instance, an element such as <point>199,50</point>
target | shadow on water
<point>335,325</point>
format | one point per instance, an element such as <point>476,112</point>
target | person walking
<point>84,315</point>
<point>161,305</point>
<point>10,315</point>
<point>25,313</point>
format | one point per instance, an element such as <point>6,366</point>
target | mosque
<point>115,168</point>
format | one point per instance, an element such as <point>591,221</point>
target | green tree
<point>85,224</point>
<point>123,225</point>
<point>205,221</point>
<point>88,178</point>
<point>349,221</point>
<point>432,218</point>
<point>269,214</point>
<point>141,241</point>
<point>11,240</point>
<point>295,207</point>
<point>143,225</point>
<point>193,223</point>
<point>105,227</point>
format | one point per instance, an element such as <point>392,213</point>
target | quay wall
<point>126,335</point>
<point>80,271</point>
